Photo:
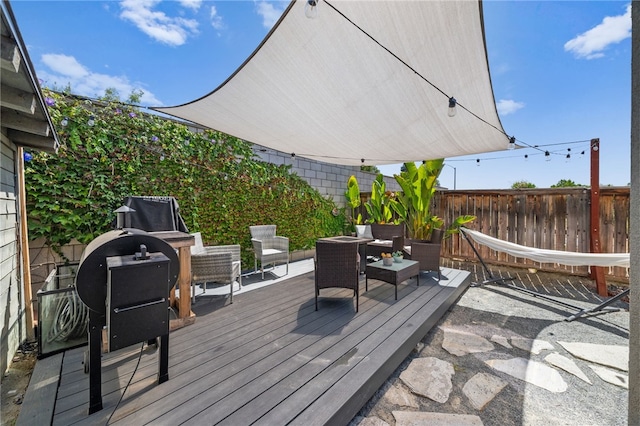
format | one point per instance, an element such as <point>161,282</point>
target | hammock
<point>550,256</point>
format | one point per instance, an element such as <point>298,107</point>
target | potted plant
<point>413,204</point>
<point>379,205</point>
<point>353,200</point>
<point>397,256</point>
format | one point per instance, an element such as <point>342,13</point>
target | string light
<point>91,121</point>
<point>512,143</point>
<point>452,107</point>
<point>547,156</point>
<point>478,162</point>
<point>311,9</point>
<point>526,157</point>
<point>64,122</point>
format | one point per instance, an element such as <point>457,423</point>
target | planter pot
<point>397,259</point>
<point>387,261</point>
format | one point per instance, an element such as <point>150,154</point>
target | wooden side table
<point>394,274</point>
<point>181,241</point>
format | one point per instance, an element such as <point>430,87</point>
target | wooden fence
<point>555,218</point>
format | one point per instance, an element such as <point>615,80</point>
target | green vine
<point>111,150</point>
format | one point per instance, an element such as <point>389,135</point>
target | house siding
<point>11,296</point>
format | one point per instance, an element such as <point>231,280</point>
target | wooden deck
<point>269,358</point>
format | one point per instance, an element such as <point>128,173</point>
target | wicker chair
<point>267,247</point>
<point>426,252</point>
<point>388,238</point>
<point>215,264</point>
<point>337,264</point>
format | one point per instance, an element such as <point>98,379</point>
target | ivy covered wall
<point>112,149</point>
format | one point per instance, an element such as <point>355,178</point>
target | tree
<point>372,169</point>
<point>522,184</point>
<point>566,183</point>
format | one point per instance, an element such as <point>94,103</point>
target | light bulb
<point>64,122</point>
<point>526,157</point>
<point>547,156</point>
<point>512,143</point>
<point>91,121</point>
<point>478,162</point>
<point>568,158</point>
<point>311,9</point>
<point>452,107</point>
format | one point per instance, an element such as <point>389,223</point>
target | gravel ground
<point>483,310</point>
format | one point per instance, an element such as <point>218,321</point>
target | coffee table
<point>394,274</point>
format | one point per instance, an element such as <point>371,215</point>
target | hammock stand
<point>603,307</point>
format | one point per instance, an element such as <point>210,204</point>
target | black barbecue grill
<point>124,277</point>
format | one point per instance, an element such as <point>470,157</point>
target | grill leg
<point>95,367</point>
<point>163,372</point>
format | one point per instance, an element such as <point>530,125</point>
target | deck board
<point>268,358</point>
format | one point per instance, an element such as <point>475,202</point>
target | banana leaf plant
<point>379,205</point>
<point>353,200</point>
<point>413,204</point>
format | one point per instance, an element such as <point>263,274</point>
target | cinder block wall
<point>328,179</point>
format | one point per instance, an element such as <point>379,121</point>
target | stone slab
<point>482,388</point>
<point>460,343</point>
<point>611,376</point>
<point>429,377</point>
<point>567,365</point>
<point>615,356</point>
<point>532,372</point>
<point>416,418</point>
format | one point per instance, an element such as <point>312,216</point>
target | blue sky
<point>561,71</point>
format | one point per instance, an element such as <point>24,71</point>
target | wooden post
<point>597,272</point>
<point>24,245</point>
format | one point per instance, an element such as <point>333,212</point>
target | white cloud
<point>270,14</point>
<point>173,31</point>
<point>65,65</point>
<point>191,4</point>
<point>63,70</point>
<point>592,43</point>
<point>216,20</point>
<point>508,106</point>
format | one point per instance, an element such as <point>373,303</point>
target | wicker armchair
<point>215,264</point>
<point>337,265</point>
<point>387,238</point>
<point>426,252</point>
<point>267,247</point>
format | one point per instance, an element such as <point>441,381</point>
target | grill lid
<point>91,278</point>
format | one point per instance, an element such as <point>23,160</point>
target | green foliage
<point>522,184</point>
<point>353,200</point>
<point>567,183</point>
<point>220,187</point>
<point>413,204</point>
<point>372,169</point>
<point>379,205</point>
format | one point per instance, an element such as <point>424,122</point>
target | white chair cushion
<point>364,231</point>
<point>198,248</point>
<point>271,251</point>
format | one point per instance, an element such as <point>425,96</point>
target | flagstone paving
<point>502,358</point>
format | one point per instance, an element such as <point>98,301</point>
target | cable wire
<point>127,387</point>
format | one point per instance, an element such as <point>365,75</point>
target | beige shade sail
<point>365,82</point>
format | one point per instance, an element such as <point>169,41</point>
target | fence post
<point>597,272</point>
